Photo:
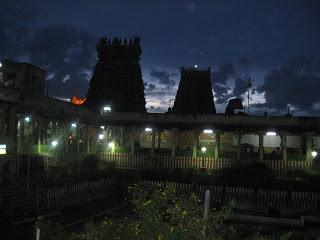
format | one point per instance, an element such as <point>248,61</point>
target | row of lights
<point>27,119</point>
<point>211,131</point>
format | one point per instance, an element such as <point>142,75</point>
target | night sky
<point>276,43</point>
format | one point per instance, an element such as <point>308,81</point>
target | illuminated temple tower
<point>117,79</point>
<point>194,94</point>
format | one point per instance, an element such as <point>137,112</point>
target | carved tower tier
<point>117,80</point>
<point>194,94</point>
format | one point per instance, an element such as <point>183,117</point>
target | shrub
<point>162,216</point>
<point>251,174</point>
<point>89,167</point>
<point>298,173</point>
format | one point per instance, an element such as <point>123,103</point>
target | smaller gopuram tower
<point>117,80</point>
<point>194,94</point>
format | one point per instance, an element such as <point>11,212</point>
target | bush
<point>162,216</point>
<point>89,167</point>
<point>298,173</point>
<point>252,174</point>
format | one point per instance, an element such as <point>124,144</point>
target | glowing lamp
<point>73,125</point>
<point>148,129</point>
<point>111,144</point>
<point>101,136</point>
<point>107,109</point>
<point>195,66</point>
<point>102,127</point>
<point>314,154</point>
<point>27,119</point>
<point>54,143</point>
<point>203,149</point>
<point>3,149</point>
<point>271,133</point>
<point>208,131</point>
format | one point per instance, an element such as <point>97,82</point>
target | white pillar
<point>159,138</point>
<point>284,146</point>
<point>239,145</point>
<point>174,141</point>
<point>217,147</point>
<point>196,134</point>
<point>40,127</point>
<point>309,156</point>
<point>153,142</point>
<point>121,136</point>
<point>261,135</point>
<point>132,140</point>
<point>88,139</point>
<point>21,135</point>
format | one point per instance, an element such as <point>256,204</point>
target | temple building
<point>31,122</point>
<point>194,94</point>
<point>117,80</point>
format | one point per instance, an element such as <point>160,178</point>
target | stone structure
<point>194,94</point>
<point>117,79</point>
<point>28,120</point>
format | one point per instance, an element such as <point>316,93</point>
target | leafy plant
<point>49,230</point>
<point>89,167</point>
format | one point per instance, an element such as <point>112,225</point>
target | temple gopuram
<point>117,80</point>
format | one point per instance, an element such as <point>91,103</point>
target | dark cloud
<point>292,85</point>
<point>245,64</point>
<point>163,76</point>
<point>300,62</point>
<point>15,20</point>
<point>220,92</point>
<point>60,50</point>
<point>241,86</point>
<point>64,50</point>
<point>225,71</point>
<point>149,87</point>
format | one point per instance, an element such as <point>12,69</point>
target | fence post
<point>48,200</point>
<point>206,211</point>
<point>38,234</point>
<point>37,200</point>
<point>27,205</point>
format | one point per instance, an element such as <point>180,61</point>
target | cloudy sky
<point>276,43</point>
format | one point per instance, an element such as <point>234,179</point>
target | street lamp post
<point>203,149</point>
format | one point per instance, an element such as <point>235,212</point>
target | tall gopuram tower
<point>194,94</point>
<point>117,80</point>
